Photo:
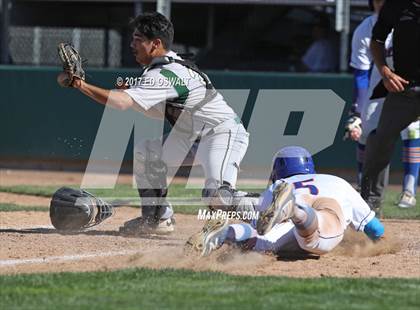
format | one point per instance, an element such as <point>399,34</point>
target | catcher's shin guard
<point>153,205</point>
<point>218,196</point>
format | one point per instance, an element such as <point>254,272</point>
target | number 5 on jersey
<point>306,184</point>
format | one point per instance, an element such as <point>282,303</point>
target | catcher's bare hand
<point>77,83</point>
<point>73,72</point>
<point>64,81</point>
<point>393,82</point>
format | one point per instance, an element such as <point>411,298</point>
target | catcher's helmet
<point>291,160</point>
<point>75,209</point>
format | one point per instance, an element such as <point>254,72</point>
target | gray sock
<point>307,226</point>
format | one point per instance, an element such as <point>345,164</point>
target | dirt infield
<point>30,244</point>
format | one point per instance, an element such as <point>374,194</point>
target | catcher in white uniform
<point>203,125</point>
<point>301,212</point>
<point>366,111</point>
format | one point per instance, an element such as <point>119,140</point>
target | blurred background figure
<point>401,85</point>
<point>321,56</point>
<point>364,81</point>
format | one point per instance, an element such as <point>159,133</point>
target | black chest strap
<point>172,105</point>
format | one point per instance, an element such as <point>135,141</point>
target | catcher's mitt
<point>76,209</point>
<point>72,64</point>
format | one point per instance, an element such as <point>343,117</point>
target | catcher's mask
<point>76,209</point>
<point>291,160</point>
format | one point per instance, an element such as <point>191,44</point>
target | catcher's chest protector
<point>173,108</point>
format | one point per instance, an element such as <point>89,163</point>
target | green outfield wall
<point>41,121</point>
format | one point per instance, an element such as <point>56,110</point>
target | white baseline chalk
<point>64,258</point>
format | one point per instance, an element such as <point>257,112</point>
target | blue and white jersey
<point>309,186</point>
<point>361,57</point>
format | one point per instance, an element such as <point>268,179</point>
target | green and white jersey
<point>177,83</point>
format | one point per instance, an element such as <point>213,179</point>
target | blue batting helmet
<point>292,160</point>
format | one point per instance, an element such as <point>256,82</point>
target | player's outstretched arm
<point>114,98</point>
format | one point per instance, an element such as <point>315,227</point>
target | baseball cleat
<point>138,226</point>
<point>194,243</point>
<point>406,200</point>
<point>210,238</point>
<point>280,210</point>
